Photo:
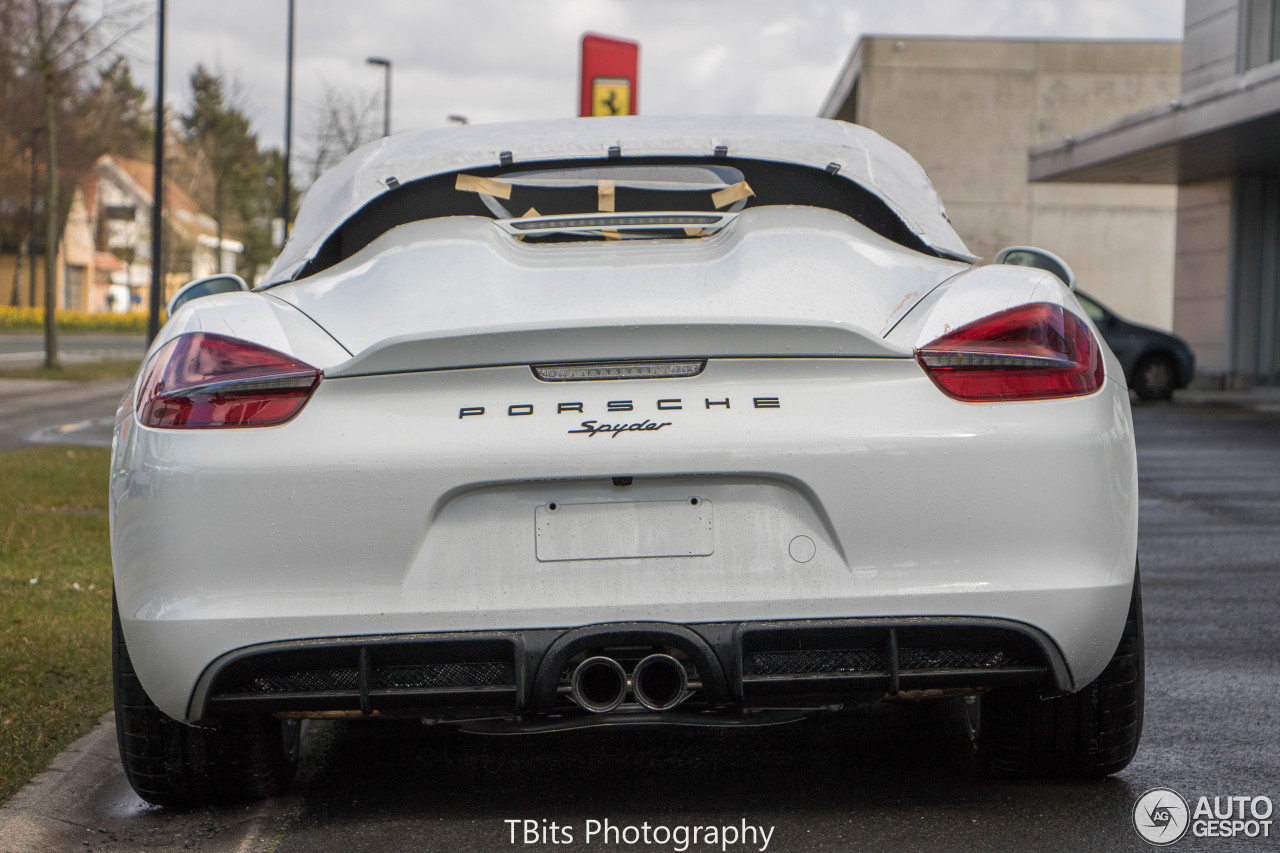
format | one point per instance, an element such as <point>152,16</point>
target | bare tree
<point>54,42</point>
<point>341,123</point>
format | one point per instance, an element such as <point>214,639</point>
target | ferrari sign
<point>610,96</point>
<point>609,76</point>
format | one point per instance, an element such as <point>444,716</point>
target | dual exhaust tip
<point>658,682</point>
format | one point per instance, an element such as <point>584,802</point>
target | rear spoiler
<point>617,342</point>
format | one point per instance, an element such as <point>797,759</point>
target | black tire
<point>169,763</point>
<point>1155,377</point>
<point>1088,734</point>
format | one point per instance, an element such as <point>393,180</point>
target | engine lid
<point>461,292</point>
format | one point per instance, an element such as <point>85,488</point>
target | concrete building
<point>1219,142</point>
<point>969,110</point>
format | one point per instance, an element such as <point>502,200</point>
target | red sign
<point>610,76</point>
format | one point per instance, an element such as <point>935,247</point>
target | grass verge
<point>110,368</point>
<point>55,604</point>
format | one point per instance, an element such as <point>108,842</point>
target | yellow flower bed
<point>32,320</point>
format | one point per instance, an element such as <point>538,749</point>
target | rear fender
<point>258,318</point>
<point>981,292</point>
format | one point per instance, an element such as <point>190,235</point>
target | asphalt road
<point>41,411</point>
<point>34,411</point>
<point>28,347</point>
<point>885,778</point>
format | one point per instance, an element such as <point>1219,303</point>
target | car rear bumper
<point>1056,638</point>
<point>743,665</point>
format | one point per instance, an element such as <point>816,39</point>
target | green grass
<point>55,651</point>
<point>110,368</point>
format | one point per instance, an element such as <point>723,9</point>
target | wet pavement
<point>27,348</point>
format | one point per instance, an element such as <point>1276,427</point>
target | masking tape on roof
<point>729,195</point>
<point>606,196</point>
<point>484,186</point>
<point>531,212</point>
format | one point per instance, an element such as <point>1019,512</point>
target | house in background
<point>77,257</point>
<point>1219,142</point>
<point>104,253</point>
<point>120,201</point>
<point>76,265</point>
<point>106,267</point>
<point>970,109</point>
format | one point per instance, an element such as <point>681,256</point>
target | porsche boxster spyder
<point>623,421</point>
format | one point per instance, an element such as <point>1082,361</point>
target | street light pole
<point>285,207</point>
<point>154,300</point>
<point>31,242</point>
<point>386,95</point>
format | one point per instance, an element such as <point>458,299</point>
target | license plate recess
<point>621,530</point>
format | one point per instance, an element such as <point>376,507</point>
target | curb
<point>82,801</point>
<point>39,817</point>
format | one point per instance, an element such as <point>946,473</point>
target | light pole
<point>386,92</point>
<point>285,210</point>
<point>155,298</point>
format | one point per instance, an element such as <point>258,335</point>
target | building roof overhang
<point>1217,130</point>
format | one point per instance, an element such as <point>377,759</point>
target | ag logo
<point>1161,816</point>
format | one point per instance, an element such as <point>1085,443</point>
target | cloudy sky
<point>500,60</point>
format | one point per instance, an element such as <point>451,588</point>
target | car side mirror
<point>223,283</point>
<point>1029,256</point>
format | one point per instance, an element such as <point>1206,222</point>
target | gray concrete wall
<point>1211,42</point>
<point>969,110</point>
<point>1202,270</point>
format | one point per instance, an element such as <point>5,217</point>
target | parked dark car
<point>1154,362</point>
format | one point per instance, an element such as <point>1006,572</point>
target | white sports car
<point>624,421</point>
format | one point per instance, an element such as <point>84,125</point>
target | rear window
<point>695,186</point>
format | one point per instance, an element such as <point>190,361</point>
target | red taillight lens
<point>1032,352</point>
<point>202,381</point>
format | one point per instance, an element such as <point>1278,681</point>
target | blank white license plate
<point>623,530</point>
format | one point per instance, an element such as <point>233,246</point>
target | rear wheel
<point>169,763</point>
<point>1155,377</point>
<point>1088,734</point>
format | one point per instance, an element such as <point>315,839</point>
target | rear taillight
<point>202,381</point>
<point>1032,352</point>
